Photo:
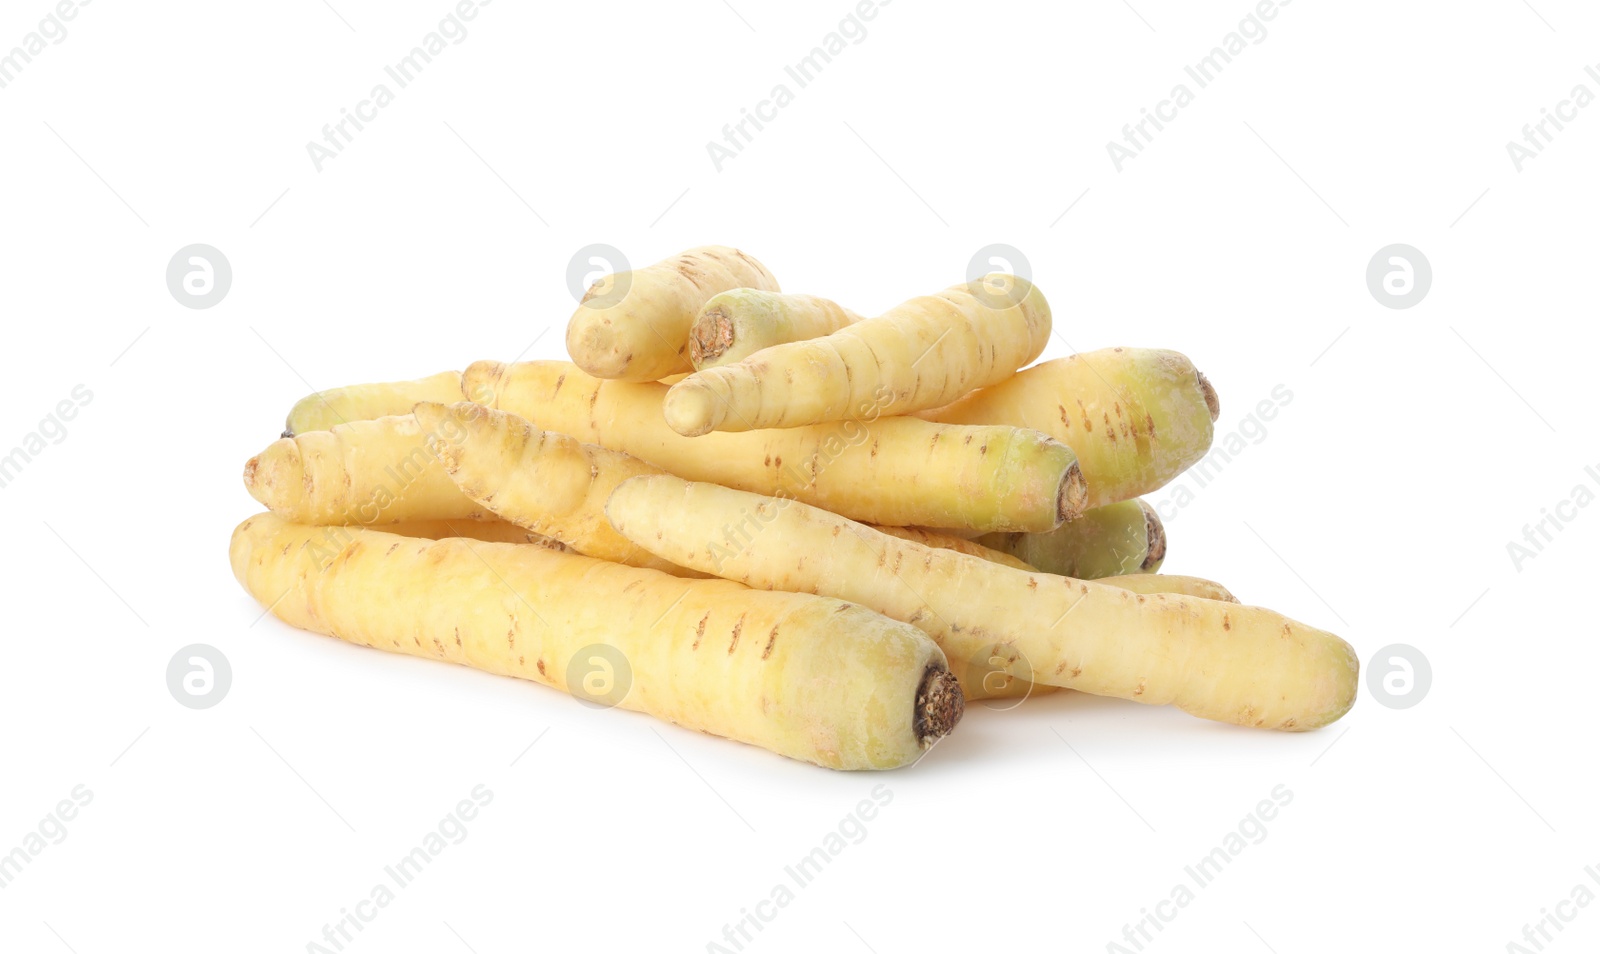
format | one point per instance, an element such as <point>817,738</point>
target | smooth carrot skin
<point>364,472</point>
<point>811,678</point>
<point>1137,417</point>
<point>736,324</point>
<point>634,326</point>
<point>547,482</point>
<point>896,471</point>
<point>1240,664</point>
<point>924,353</point>
<point>364,402</point>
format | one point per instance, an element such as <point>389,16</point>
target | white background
<point>1379,503</point>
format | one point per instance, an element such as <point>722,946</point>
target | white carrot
<point>898,471</point>
<point>1239,664</point>
<point>923,353</point>
<point>634,326</point>
<point>811,678</point>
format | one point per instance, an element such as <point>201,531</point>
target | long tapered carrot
<point>364,402</point>
<point>986,678</point>
<point>1173,584</point>
<point>363,472</point>
<point>807,677</point>
<point>1240,664</point>
<point>1137,417</point>
<point>546,482</point>
<point>923,353</point>
<point>634,326</point>
<point>897,471</point>
<point>736,324</point>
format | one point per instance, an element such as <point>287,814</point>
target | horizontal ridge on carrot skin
<point>1137,417</point>
<point>898,471</point>
<point>804,676</point>
<point>363,472</point>
<point>1240,664</point>
<point>922,353</point>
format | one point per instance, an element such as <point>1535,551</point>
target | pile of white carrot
<point>763,516</point>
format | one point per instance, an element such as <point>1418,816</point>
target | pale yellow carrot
<point>921,354</point>
<point>945,541</point>
<point>363,472</point>
<point>897,471</point>
<point>811,678</point>
<point>364,402</point>
<point>1172,583</point>
<point>544,481</point>
<point>489,531</point>
<point>1240,664</point>
<point>1137,417</point>
<point>736,324</point>
<point>634,326</point>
